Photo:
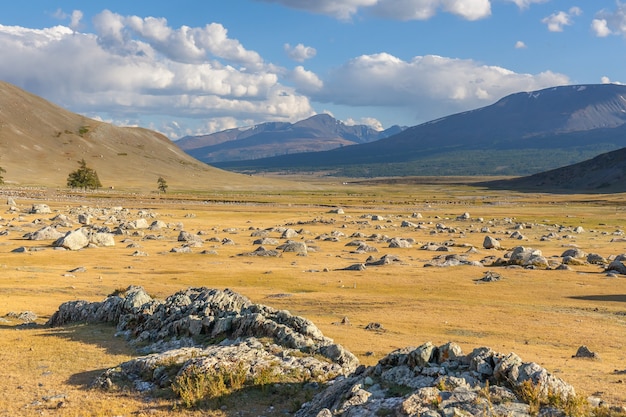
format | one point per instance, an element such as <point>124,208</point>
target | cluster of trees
<point>87,178</point>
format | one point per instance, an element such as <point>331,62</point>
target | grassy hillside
<point>40,144</point>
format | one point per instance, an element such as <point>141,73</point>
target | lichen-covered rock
<point>437,381</point>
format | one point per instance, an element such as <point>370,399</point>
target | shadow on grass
<point>101,335</point>
<point>616,298</point>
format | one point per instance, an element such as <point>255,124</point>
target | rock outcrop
<point>195,314</point>
<point>440,381</point>
<point>255,339</point>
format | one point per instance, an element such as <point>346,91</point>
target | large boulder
<point>40,209</point>
<point>527,257</point>
<point>101,239</point>
<point>491,243</point>
<point>73,240</point>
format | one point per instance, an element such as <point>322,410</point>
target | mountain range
<point>317,133</point>
<point>41,143</point>
<point>521,134</point>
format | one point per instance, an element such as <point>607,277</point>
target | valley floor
<point>544,315</point>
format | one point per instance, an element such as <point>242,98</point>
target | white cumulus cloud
<point>300,53</point>
<point>607,80</point>
<point>432,85</point>
<point>305,81</point>
<point>556,21</point>
<point>610,22</point>
<point>367,121</point>
<point>520,45</point>
<point>393,9</point>
<point>340,9</point>
<point>132,68</point>
<point>600,27</point>
<point>524,4</point>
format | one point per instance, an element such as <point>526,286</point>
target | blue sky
<point>192,67</point>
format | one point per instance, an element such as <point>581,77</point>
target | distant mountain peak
<point>317,133</point>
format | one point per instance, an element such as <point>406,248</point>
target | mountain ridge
<point>316,133</point>
<point>547,128</point>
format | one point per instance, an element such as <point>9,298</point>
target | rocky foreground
<point>203,331</point>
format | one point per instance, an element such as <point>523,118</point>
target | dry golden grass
<point>543,316</point>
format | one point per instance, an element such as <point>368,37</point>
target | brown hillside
<point>40,144</point>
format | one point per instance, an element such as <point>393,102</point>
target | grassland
<point>542,315</point>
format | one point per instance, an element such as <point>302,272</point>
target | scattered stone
<point>452,260</point>
<point>585,353</point>
<point>289,234</point>
<point>293,246</point>
<point>384,260</point>
<point>489,276</point>
<point>73,240</point>
<point>45,233</point>
<point>595,259</point>
<point>491,243</point>
<point>464,216</point>
<point>354,267</point>
<point>617,266</point>
<point>365,248</point>
<point>374,326</point>
<point>527,257</point>
<point>40,209</point>
<point>181,249</point>
<point>399,243</point>
<point>266,241</point>
<point>24,316</point>
<point>574,253</point>
<point>262,251</point>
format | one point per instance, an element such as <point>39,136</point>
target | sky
<point>192,67</point>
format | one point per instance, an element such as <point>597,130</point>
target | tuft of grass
<point>530,393</point>
<point>194,385</point>
<point>83,130</point>
<point>264,376</point>
<point>573,406</point>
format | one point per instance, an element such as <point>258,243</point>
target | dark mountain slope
<point>521,133</point>
<point>317,133</point>
<point>606,173</point>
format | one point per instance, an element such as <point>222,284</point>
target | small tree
<point>84,177</point>
<point>162,185</point>
<point>2,171</point>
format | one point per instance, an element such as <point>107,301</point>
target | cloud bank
<point>430,85</point>
<point>192,80</point>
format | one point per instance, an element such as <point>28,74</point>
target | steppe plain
<point>543,315</point>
